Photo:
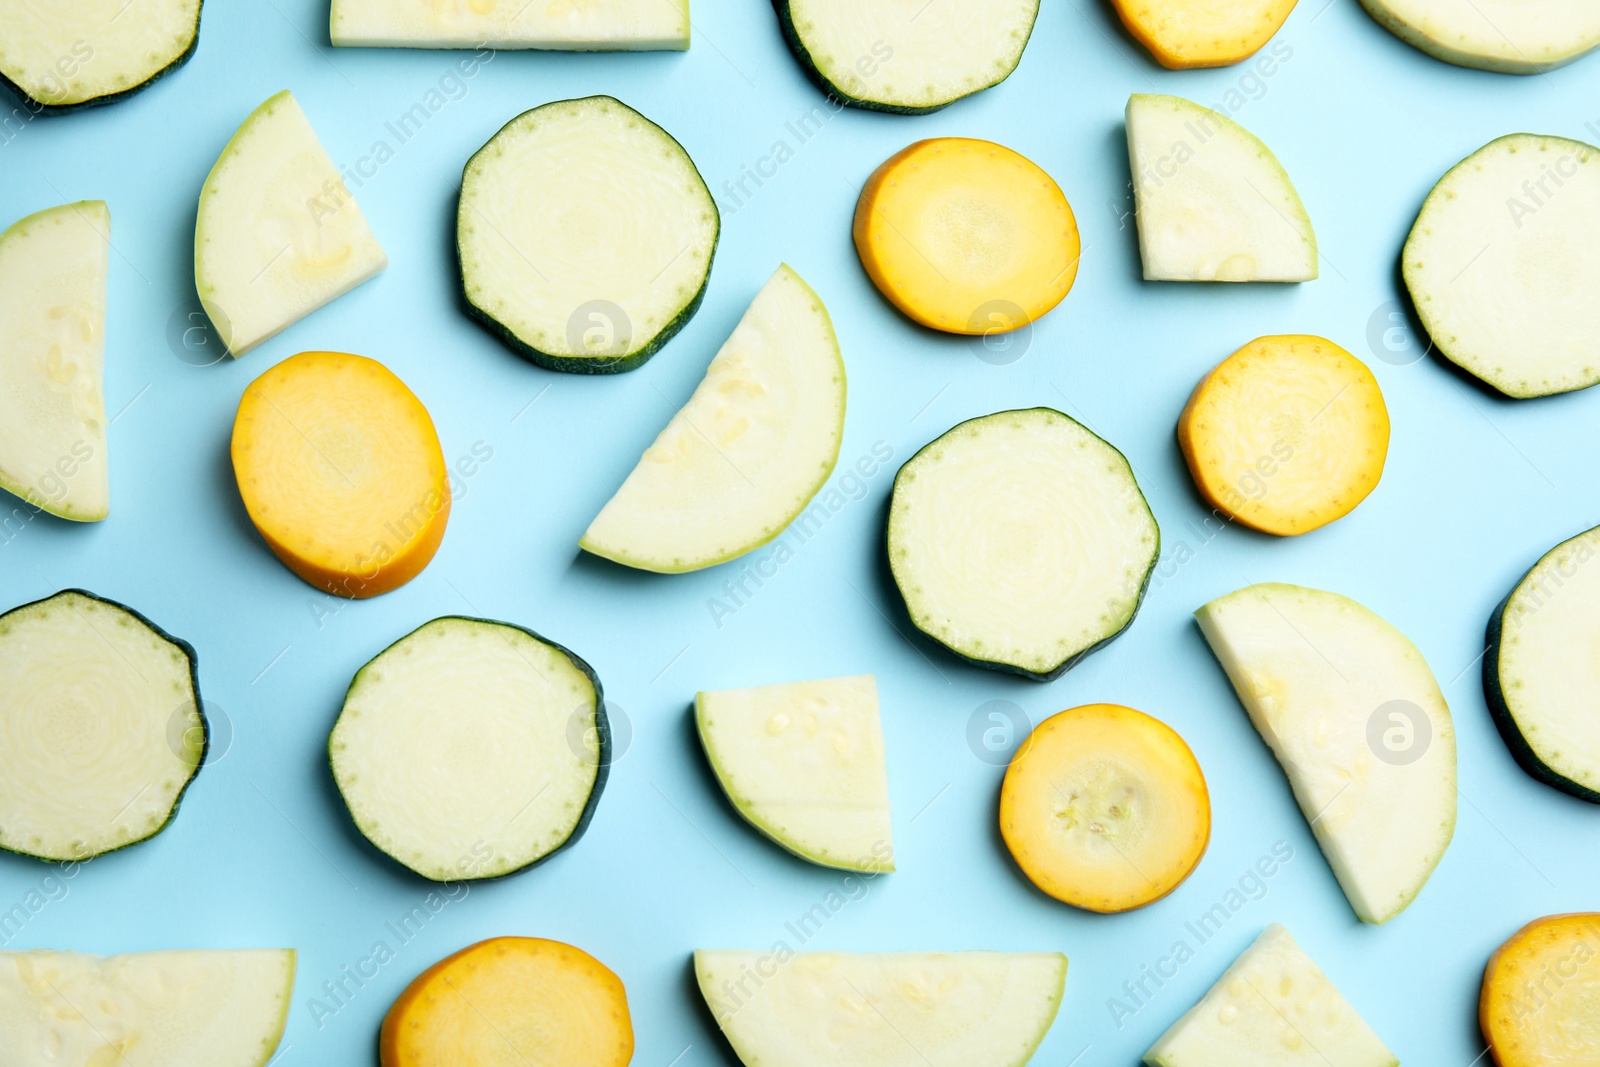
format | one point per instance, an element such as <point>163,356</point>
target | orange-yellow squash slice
<point>1287,434</point>
<point>341,472</point>
<point>1182,34</point>
<point>1540,1005</point>
<point>510,1002</point>
<point>1105,808</point>
<point>966,236</point>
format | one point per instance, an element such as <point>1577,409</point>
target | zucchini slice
<point>803,762</point>
<point>1541,675</point>
<point>1508,36</point>
<point>909,57</point>
<point>1352,712</point>
<point>1184,34</point>
<point>591,26</point>
<point>206,1008</point>
<point>1212,203</point>
<point>64,56</point>
<point>1498,267</point>
<point>1105,808</point>
<point>1273,1008</point>
<point>1537,1008</point>
<point>52,360</point>
<point>749,450</point>
<point>103,724</point>
<point>585,236</point>
<point>1287,434</point>
<point>510,1002</point>
<point>907,1009</point>
<point>278,234</point>
<point>1020,541</point>
<point>471,749</point>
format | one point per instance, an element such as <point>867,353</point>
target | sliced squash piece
<point>279,234</point>
<point>1183,34</point>
<point>746,454</point>
<point>341,472</point>
<point>803,762</point>
<point>1355,717</point>
<point>590,26</point>
<point>908,1009</point>
<point>1212,203</point>
<point>1105,808</point>
<point>1508,36</point>
<point>52,360</point>
<point>1287,434</point>
<point>966,236</point>
<point>510,1002</point>
<point>63,56</point>
<point>1537,1008</point>
<point>1273,1008</point>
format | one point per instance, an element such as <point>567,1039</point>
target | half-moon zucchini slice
<point>1508,36</point>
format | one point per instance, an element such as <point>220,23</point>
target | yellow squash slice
<point>1182,34</point>
<point>1540,1005</point>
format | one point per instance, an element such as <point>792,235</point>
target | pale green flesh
<point>279,234</point>
<point>1212,203</point>
<point>467,749</point>
<point>747,452</point>
<point>1314,669</point>
<point>146,1009</point>
<point>1501,269</point>
<point>63,54</point>
<point>52,355</point>
<point>1273,1008</point>
<point>589,25</point>
<point>803,761</point>
<point>957,1009</point>
<point>101,725</point>
<point>1509,36</point>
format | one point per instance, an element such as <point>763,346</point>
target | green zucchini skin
<point>40,107</point>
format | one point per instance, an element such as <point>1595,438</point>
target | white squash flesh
<point>587,25</point>
<point>1509,36</point>
<point>69,54</point>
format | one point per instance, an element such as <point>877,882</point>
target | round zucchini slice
<point>103,727</point>
<point>471,749</point>
<point>585,236</point>
<point>1507,36</point>
<point>65,56</point>
<point>1020,541</point>
<point>1105,808</point>
<point>1540,991</point>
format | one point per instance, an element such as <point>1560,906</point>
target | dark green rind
<point>833,92</point>
<point>40,107</point>
<point>567,364</point>
<point>194,685</point>
<point>1500,710</point>
<point>602,727</point>
<point>1077,657</point>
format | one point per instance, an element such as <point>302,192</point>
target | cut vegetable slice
<point>1273,1008</point>
<point>1541,674</point>
<point>1509,36</point>
<point>1351,710</point>
<point>52,359</point>
<point>1105,808</point>
<point>341,472</point>
<point>1539,993</point>
<point>1287,434</point>
<point>1020,541</point>
<point>1498,266</point>
<point>746,454</point>
<point>177,1009</point>
<point>911,1009</point>
<point>803,762</point>
<point>471,749</point>
<point>966,236</point>
<point>903,57</point>
<point>103,725</point>
<point>63,56</point>
<point>592,26</point>
<point>585,236</point>
<point>279,234</point>
<point>1183,34</point>
<point>510,1002</point>
<point>1212,203</point>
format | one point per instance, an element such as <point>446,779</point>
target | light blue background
<point>263,854</point>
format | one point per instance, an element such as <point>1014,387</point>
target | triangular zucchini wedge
<point>52,355</point>
<point>748,451</point>
<point>1355,717</point>
<point>590,26</point>
<point>63,56</point>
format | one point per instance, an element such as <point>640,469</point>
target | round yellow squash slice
<point>1540,1005</point>
<point>1183,34</point>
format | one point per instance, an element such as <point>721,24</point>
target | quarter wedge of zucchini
<point>103,727</point>
<point>588,26</point>
<point>1509,36</point>
<point>60,55</point>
